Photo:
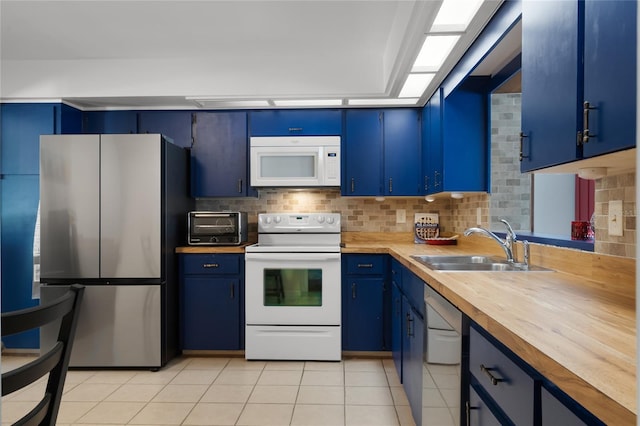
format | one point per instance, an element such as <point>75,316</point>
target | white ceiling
<point>153,54</point>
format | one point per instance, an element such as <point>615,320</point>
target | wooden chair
<point>54,363</point>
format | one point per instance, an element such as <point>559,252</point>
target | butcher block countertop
<point>575,325</point>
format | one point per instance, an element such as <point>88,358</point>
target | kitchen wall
<point>620,187</point>
<point>358,214</point>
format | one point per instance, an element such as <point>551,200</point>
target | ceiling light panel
<point>434,51</point>
<point>415,85</point>
<point>455,15</point>
<point>386,101</point>
<point>308,103</point>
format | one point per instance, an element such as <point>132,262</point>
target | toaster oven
<point>216,228</point>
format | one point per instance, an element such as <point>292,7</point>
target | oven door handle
<point>292,257</point>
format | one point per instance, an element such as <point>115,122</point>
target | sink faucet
<point>507,244</point>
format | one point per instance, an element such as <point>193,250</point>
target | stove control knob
<point>330,220</point>
<point>277,219</point>
<point>320,219</point>
<point>267,220</point>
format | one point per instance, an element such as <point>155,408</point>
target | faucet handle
<point>510,234</point>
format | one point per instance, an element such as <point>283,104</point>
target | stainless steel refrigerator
<point>112,211</point>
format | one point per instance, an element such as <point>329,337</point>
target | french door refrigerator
<point>112,211</point>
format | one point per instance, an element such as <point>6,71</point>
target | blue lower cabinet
<point>366,299</point>
<point>363,302</point>
<point>212,301</point>
<point>396,328</point>
<point>412,349</point>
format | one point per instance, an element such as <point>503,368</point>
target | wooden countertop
<point>577,331</point>
<point>576,325</point>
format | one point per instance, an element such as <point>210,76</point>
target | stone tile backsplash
<point>610,188</point>
<point>358,214</point>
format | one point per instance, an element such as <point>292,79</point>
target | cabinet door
<point>176,125</point>
<point>22,125</point>
<point>401,152</point>
<point>555,412</point>
<point>551,77</point>
<point>110,122</point>
<point>18,207</point>
<point>432,145</point>
<point>296,122</point>
<point>464,142</point>
<point>364,300</point>
<point>363,153</point>
<point>397,328</point>
<point>210,313</point>
<point>219,155</point>
<point>478,413</point>
<point>610,74</point>
<point>412,348</point>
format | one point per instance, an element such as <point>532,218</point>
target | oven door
<point>293,289</point>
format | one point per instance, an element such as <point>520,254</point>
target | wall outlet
<point>479,216</point>
<point>401,216</point>
<point>615,218</point>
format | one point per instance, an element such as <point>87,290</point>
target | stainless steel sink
<point>473,263</point>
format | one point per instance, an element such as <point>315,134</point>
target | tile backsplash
<point>619,187</point>
<point>358,214</point>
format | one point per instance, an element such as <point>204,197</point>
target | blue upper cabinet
<point>401,152</point>
<point>381,152</point>
<point>176,125</point>
<point>362,153</point>
<point>312,122</point>
<point>557,38</point>
<point>432,144</point>
<point>219,155</point>
<point>455,140</point>
<point>110,122</point>
<point>464,138</point>
<point>610,75</point>
<point>22,125</point>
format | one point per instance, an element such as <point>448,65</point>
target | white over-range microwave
<point>299,161</point>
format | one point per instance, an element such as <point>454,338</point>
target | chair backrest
<point>55,362</point>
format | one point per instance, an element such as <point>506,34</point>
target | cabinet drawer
<point>211,263</point>
<point>510,386</point>
<point>365,265</point>
<point>478,413</point>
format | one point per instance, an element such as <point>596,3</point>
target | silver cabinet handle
<point>390,185</point>
<point>240,186</point>
<point>586,133</point>
<point>353,184</point>
<point>494,380</point>
<point>436,183</point>
<point>233,291</point>
<point>210,265</point>
<point>409,325</point>
<point>295,129</point>
<point>522,136</point>
<point>365,265</point>
<point>353,290</point>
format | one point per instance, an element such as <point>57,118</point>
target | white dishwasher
<point>443,329</point>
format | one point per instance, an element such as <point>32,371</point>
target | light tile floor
<point>227,391</point>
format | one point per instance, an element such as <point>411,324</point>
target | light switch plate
<point>401,216</point>
<point>615,218</point>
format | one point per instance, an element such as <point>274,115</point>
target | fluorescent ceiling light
<point>415,85</point>
<point>228,103</point>
<point>455,15</point>
<point>390,101</point>
<point>434,51</point>
<point>307,103</point>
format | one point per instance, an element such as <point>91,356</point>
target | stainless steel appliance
<point>112,212</point>
<point>299,161</point>
<point>292,288</point>
<point>216,228</point>
<point>443,358</point>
